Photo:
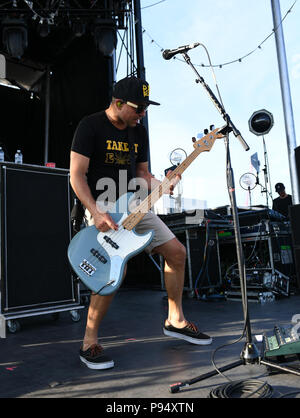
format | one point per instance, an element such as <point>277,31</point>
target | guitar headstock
<point>207,141</point>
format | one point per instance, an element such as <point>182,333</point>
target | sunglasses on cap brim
<point>138,108</point>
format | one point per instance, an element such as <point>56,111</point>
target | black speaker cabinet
<point>297,264</point>
<point>294,213</point>
<point>297,158</point>
<point>35,234</point>
<point>143,272</point>
<point>203,262</point>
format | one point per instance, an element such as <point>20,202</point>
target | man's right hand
<point>104,222</point>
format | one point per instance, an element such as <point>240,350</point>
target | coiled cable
<point>243,389</point>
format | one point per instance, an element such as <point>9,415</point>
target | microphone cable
<point>243,389</point>
<point>213,73</point>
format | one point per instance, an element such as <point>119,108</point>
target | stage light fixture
<point>15,36</point>
<point>44,28</point>
<point>78,28</point>
<point>105,35</point>
<point>261,122</point>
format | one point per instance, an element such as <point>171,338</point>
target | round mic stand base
<point>177,387</point>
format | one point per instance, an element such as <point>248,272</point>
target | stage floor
<point>42,361</point>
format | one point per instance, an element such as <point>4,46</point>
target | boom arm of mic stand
<point>218,105</point>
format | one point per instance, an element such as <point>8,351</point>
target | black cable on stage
<point>243,389</point>
<point>296,392</point>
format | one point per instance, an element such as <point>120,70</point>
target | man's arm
<point>143,172</point>
<point>78,168</point>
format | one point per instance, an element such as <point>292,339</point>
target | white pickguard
<point>128,243</point>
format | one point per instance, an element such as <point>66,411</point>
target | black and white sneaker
<point>188,333</point>
<point>94,358</point>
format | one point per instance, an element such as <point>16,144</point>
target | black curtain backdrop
<point>21,126</point>
<point>80,84</point>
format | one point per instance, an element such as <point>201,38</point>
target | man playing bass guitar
<point>102,147</point>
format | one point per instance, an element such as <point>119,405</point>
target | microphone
<point>169,53</point>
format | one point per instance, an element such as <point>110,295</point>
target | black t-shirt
<point>109,151</point>
<point>282,205</point>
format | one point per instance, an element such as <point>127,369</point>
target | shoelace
<point>96,349</point>
<point>192,327</point>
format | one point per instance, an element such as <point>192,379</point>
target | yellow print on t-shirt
<point>119,146</point>
<point>119,158</point>
<point>120,154</point>
<point>109,158</point>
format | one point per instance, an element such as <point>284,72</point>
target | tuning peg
<point>205,131</point>
<point>212,127</point>
<point>194,139</point>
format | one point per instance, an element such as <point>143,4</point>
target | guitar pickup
<point>111,242</point>
<point>87,267</point>
<point>99,256</point>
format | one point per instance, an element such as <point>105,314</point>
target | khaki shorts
<point>162,233</point>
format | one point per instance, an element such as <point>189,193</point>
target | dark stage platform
<point>42,361</point>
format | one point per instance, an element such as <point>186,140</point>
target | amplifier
<point>262,249</point>
<point>203,261</point>
<point>252,296</point>
<point>294,212</point>
<point>35,234</point>
<point>197,217</point>
<point>264,279</point>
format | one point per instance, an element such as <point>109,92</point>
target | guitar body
<point>99,258</point>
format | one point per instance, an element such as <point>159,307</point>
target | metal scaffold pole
<point>286,98</point>
<point>141,72</point>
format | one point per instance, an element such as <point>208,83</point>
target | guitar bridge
<point>87,267</point>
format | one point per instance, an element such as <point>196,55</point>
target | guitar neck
<point>138,213</point>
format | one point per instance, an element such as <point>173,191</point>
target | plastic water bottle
<point>18,157</point>
<point>1,154</point>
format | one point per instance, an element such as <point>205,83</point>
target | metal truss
<point>81,16</point>
<point>55,10</point>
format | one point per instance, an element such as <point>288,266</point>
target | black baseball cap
<point>133,89</point>
<point>279,187</point>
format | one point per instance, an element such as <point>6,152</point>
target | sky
<point>229,30</point>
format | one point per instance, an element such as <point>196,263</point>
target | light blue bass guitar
<point>99,258</point>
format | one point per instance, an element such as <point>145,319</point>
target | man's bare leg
<point>96,312</point>
<point>174,254</point>
<point>97,309</point>
<point>176,325</point>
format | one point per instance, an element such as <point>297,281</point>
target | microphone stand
<point>266,175</point>
<point>250,353</point>
<point>250,201</point>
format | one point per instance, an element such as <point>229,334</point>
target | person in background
<point>281,204</point>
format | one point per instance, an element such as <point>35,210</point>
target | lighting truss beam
<point>71,10</point>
